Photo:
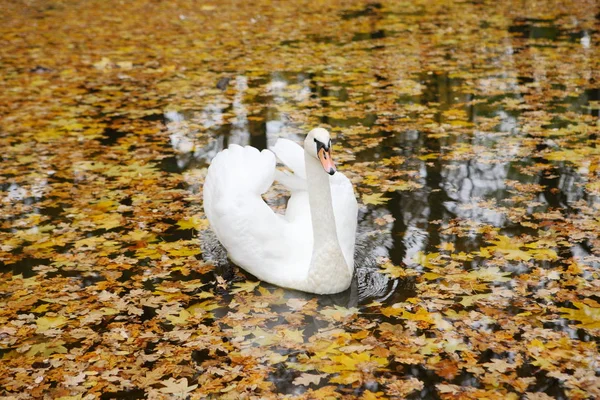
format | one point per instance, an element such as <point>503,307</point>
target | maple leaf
<point>194,222</point>
<point>74,380</point>
<point>179,319</point>
<point>139,235</point>
<point>247,286</point>
<point>47,349</point>
<point>339,313</point>
<point>445,388</point>
<point>350,362</point>
<point>500,366</point>
<point>308,379</point>
<point>46,323</point>
<point>468,301</point>
<point>420,315</point>
<point>404,186</point>
<point>177,388</point>
<point>427,260</point>
<point>368,395</point>
<point>184,251</point>
<point>294,336</point>
<point>263,338</point>
<point>489,274</point>
<point>296,304</point>
<point>108,221</point>
<point>588,316</point>
<point>394,310</point>
<point>203,309</point>
<point>510,248</point>
<point>375,199</point>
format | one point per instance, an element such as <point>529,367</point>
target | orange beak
<point>326,160</point>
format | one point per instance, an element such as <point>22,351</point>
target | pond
<point>469,130</point>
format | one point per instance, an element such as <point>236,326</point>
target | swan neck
<point>328,266</point>
<point>321,207</point>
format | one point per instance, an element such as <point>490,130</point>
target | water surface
<point>470,132</point>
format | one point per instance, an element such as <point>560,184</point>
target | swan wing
<point>246,226</point>
<point>345,206</point>
<point>291,154</point>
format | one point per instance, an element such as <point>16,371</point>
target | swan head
<point>318,145</point>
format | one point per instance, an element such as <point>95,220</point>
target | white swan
<point>311,247</point>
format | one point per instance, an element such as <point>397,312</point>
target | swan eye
<point>321,145</point>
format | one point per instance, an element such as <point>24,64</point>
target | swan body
<point>311,247</point>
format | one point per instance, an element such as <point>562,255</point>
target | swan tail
<point>244,224</point>
<point>240,170</point>
<point>236,176</point>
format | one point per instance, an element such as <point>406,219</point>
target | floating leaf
<point>194,222</point>
<point>375,199</point>
<point>46,323</point>
<point>588,316</point>
<point>309,379</point>
<point>179,388</point>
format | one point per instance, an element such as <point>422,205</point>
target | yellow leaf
<point>420,315</point>
<point>184,252</point>
<point>247,286</point>
<point>510,248</point>
<point>339,313</point>
<point>430,276</point>
<point>41,308</point>
<point>105,205</point>
<point>375,199</point>
<point>139,235</point>
<point>179,319</point>
<point>542,362</point>
<point>194,222</point>
<point>447,246</point>
<point>489,274</point>
<point>151,252</point>
<point>392,311</point>
<point>404,186</point>
<point>392,270</point>
<point>346,377</point>
<point>468,301</point>
<point>263,337</point>
<point>367,395</point>
<point>429,156</point>
<point>46,349</point>
<point>588,316</point>
<point>427,260</point>
<point>107,221</point>
<point>46,323</point>
<point>293,335</point>
<point>109,311</point>
<point>203,309</point>
<point>544,254</point>
<point>125,64</point>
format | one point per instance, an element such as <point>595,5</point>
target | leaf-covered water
<point>470,131</point>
